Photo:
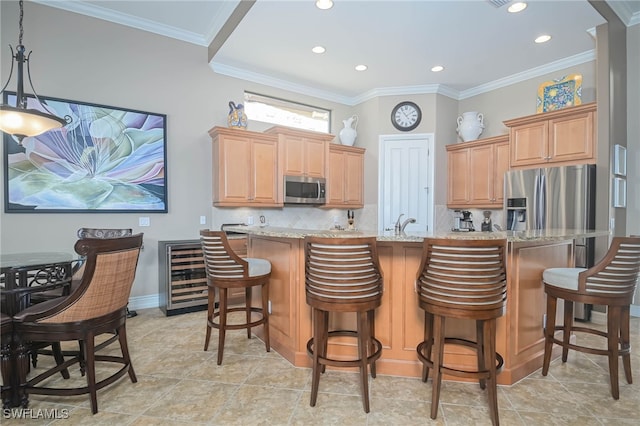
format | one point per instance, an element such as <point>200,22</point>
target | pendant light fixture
<point>20,121</point>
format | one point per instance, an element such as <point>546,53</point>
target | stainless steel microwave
<point>304,190</point>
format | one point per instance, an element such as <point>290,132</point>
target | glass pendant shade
<point>27,122</point>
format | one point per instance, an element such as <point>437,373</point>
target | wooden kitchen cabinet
<point>557,138</point>
<point>476,173</point>
<point>345,182</point>
<point>245,168</point>
<point>301,152</point>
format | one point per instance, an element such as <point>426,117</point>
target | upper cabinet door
<point>265,172</point>
<point>571,138</point>
<point>476,173</point>
<point>302,152</point>
<point>245,168</point>
<point>529,144</point>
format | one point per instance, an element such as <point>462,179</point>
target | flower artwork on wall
<point>105,160</point>
<point>560,93</point>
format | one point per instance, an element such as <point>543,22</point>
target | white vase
<point>348,134</point>
<point>470,125</point>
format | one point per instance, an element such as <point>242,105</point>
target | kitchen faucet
<point>399,227</point>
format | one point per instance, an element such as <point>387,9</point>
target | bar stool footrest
<point>350,362</point>
<point>459,372</point>
<point>623,349</point>
<point>242,326</point>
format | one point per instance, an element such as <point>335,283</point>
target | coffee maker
<point>466,223</point>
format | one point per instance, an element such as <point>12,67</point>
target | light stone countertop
<point>511,236</point>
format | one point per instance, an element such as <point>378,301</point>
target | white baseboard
<point>144,302</point>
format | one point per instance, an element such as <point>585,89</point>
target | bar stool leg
<point>318,332</point>
<point>568,326</point>
<point>372,347</point>
<point>624,342</point>
<point>438,342</point>
<point>428,339</point>
<point>363,344</point>
<point>211,298</point>
<point>549,332</point>
<point>247,310</point>
<point>480,351</point>
<point>613,331</point>
<point>222,310</point>
<point>489,344</point>
<point>265,313</point>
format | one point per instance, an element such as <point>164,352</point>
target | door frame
<point>429,138</point>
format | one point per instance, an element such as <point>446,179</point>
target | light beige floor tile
<point>330,409</point>
<point>280,374</point>
<point>557,419</point>
<point>401,412</point>
<point>463,415</point>
<point>259,405</point>
<point>193,401</point>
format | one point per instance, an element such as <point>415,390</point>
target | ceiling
<point>481,46</point>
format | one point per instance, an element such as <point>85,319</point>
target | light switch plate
<point>144,221</point>
<point>203,220</point>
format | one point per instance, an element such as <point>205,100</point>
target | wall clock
<point>406,116</point>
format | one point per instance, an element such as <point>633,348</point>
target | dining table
<point>21,276</point>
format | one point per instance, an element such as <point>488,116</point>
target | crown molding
<point>130,21</point>
<point>578,59</point>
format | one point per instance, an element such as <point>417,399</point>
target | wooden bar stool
<point>226,270</point>
<point>463,279</point>
<point>343,275</point>
<point>612,283</point>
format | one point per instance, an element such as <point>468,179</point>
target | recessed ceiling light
<point>437,68</point>
<point>517,7</point>
<point>324,4</point>
<point>543,39</point>
<point>361,67</point>
<point>318,49</point>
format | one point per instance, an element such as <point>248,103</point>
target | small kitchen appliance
<point>486,225</point>
<point>304,190</point>
<point>466,223</point>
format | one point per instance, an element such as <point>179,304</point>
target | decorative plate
<point>561,93</point>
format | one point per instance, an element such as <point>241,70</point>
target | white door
<point>406,179</point>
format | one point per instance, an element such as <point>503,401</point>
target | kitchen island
<point>399,320</point>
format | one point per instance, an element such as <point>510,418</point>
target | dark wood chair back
<point>616,275</point>
<point>342,271</point>
<point>463,275</point>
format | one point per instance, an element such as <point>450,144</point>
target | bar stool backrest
<point>463,274</point>
<point>616,275</point>
<point>342,270</point>
<point>220,260</point>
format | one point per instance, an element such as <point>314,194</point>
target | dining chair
<point>78,270</point>
<point>96,307</point>
<point>612,283</point>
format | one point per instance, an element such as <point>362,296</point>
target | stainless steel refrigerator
<point>554,198</point>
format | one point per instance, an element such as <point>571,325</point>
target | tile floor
<point>179,384</point>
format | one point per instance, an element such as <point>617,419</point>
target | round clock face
<point>406,116</point>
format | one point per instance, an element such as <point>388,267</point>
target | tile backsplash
<point>304,217</point>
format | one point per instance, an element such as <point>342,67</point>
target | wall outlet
<point>144,221</point>
<point>250,220</point>
<point>203,220</point>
